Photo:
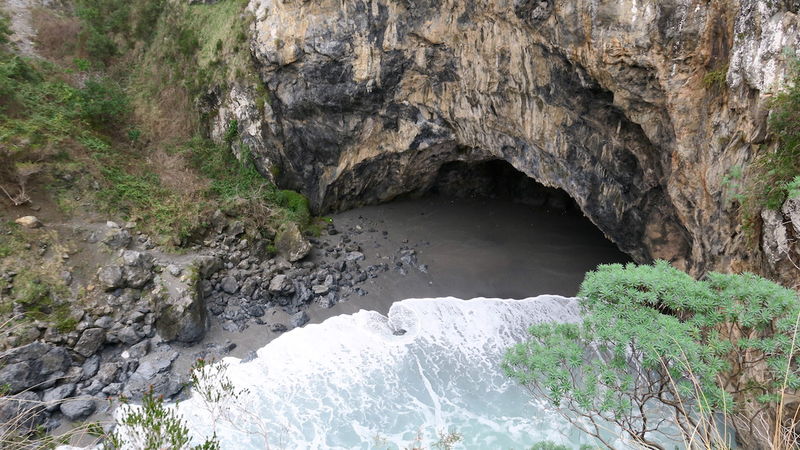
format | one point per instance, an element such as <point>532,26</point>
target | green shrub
<point>102,21</point>
<point>103,102</point>
<point>14,71</point>
<point>548,445</point>
<point>231,132</point>
<point>5,29</point>
<point>154,425</point>
<point>100,46</point>
<point>296,204</point>
<point>187,42</point>
<point>668,339</point>
<point>777,169</point>
<point>148,14</point>
<point>716,78</point>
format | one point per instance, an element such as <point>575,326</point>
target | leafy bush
<point>102,20</point>
<point>155,425</point>
<point>5,29</point>
<point>187,42</point>
<point>14,70</point>
<point>716,78</point>
<point>147,16</point>
<point>100,46</point>
<point>296,204</point>
<point>103,102</point>
<point>697,348</point>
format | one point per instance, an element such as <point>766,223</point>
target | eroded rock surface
<point>637,109</point>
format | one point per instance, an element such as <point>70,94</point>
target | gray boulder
<point>90,341</point>
<point>53,397</point>
<point>180,311</point>
<point>32,365</point>
<point>138,268</point>
<point>21,413</point>
<point>90,367</point>
<point>111,277</point>
<point>77,409</point>
<point>107,373</point>
<point>281,284</point>
<point>230,285</point>
<point>117,238</point>
<point>354,256</point>
<point>298,319</point>
<point>291,244</point>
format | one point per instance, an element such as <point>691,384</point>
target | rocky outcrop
<point>638,110</point>
<point>180,304</point>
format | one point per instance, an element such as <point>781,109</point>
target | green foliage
<point>296,204</point>
<point>109,25</point>
<point>155,426</point>
<point>40,299</point>
<point>103,102</point>
<point>716,78</point>
<point>100,46</point>
<point>143,195</point>
<point>548,445</point>
<point>102,20</point>
<point>793,187</point>
<point>14,72</point>
<point>666,338</point>
<point>230,178</point>
<point>187,42</point>
<point>778,168</point>
<point>5,29</point>
<point>231,132</point>
<point>147,16</point>
<point>134,134</point>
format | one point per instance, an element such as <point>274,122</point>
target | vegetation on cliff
<point>105,120</point>
<point>137,134</point>
<point>656,341</point>
<point>780,168</point>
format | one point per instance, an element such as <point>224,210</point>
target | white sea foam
<point>354,381</point>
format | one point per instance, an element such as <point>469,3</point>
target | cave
<point>497,179</point>
<point>482,228</point>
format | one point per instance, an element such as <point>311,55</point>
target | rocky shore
<point>148,312</point>
<point>144,315</point>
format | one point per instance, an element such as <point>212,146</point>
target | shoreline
<point>368,258</point>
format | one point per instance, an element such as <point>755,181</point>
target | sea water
<point>429,368</point>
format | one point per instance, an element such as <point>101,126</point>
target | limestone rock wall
<point>639,109</point>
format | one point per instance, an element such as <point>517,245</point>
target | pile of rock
<point>145,302</point>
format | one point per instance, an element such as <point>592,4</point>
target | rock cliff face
<point>639,109</point>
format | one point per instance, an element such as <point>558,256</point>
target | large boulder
<point>78,408</point>
<point>91,340</point>
<point>281,285</point>
<point>180,306</point>
<point>54,397</point>
<point>291,244</point>
<point>32,365</point>
<point>111,277</point>
<point>117,238</point>
<point>138,268</point>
